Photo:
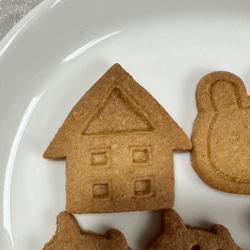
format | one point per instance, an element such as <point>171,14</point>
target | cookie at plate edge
<point>221,133</point>
<point>118,143</point>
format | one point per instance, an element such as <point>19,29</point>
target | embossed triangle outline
<point>129,104</point>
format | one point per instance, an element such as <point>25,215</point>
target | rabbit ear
<point>224,96</point>
<point>67,223</point>
<point>222,232</point>
<point>172,222</point>
<point>220,90</point>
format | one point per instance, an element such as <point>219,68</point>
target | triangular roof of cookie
<point>116,92</point>
<point>127,117</point>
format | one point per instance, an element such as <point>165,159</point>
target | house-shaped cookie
<point>118,144</point>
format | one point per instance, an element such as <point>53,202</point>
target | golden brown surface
<point>176,235</point>
<point>69,236</point>
<point>118,143</point>
<point>221,133</point>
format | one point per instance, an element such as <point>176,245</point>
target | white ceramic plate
<point>50,59</point>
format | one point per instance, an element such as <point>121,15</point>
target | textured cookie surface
<point>221,133</point>
<point>69,236</point>
<point>176,235</point>
<point>118,143</point>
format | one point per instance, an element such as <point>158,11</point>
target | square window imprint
<point>141,154</point>
<point>143,187</point>
<point>101,190</point>
<point>100,157</point>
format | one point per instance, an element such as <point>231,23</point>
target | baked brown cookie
<point>69,236</point>
<point>176,235</point>
<point>118,142</point>
<point>221,133</point>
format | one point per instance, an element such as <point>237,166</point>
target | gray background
<point>11,11</point>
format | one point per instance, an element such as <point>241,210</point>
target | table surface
<point>11,11</point>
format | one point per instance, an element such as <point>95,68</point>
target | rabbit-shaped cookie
<point>221,133</point>
<point>176,235</point>
<point>69,236</point>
